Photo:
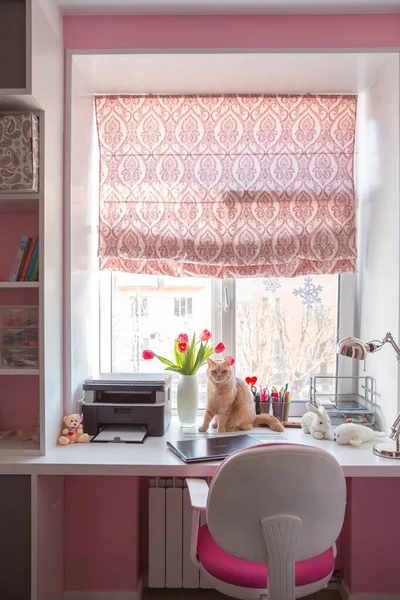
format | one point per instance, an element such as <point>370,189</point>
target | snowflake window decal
<point>271,284</point>
<point>309,293</point>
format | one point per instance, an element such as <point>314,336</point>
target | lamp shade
<point>353,347</point>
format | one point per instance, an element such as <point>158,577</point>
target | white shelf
<point>28,202</point>
<point>19,371</point>
<point>18,285</point>
<point>12,445</point>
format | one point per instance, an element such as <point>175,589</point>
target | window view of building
<point>149,312</point>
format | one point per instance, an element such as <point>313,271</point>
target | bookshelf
<point>31,40</point>
<point>22,389</point>
<point>31,79</point>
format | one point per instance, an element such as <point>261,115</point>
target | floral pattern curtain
<point>227,185</point>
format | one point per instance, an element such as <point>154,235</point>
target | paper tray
<point>121,434</point>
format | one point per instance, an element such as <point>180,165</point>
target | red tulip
<point>148,354</point>
<point>230,359</point>
<point>182,347</point>
<point>183,338</point>
<point>205,335</point>
<point>219,348</point>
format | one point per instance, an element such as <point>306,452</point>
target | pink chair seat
<point>248,574</point>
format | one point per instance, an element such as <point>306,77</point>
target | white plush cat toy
<point>317,422</point>
<point>355,435</point>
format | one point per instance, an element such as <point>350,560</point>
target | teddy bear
<point>73,431</point>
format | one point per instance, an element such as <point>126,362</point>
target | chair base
<point>244,593</point>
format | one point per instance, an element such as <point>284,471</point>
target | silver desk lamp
<point>356,348</point>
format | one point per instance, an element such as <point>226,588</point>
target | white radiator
<point>169,536</point>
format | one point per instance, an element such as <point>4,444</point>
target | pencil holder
<point>281,410</point>
<point>264,408</point>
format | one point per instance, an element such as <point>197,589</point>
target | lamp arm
<point>388,339</point>
<point>395,429</point>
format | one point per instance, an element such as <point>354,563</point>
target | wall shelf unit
<point>22,214</point>
<point>31,508</point>
<point>31,47</point>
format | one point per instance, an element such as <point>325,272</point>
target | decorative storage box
<point>19,152</point>
<point>19,337</point>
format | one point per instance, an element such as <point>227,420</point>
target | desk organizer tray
<point>346,399</point>
<point>19,337</point>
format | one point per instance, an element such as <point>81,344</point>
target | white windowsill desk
<point>152,458</point>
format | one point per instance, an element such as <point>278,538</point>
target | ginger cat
<point>230,404</point>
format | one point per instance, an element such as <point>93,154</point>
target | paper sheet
<point>121,434</point>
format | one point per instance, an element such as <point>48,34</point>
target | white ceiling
<point>263,73</point>
<point>227,6</point>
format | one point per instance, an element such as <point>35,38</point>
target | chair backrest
<point>276,479</point>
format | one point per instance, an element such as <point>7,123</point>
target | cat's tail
<point>268,420</point>
<point>380,434</point>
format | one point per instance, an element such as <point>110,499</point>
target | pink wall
<point>101,525</point>
<point>241,31</point>
<point>374,526</point>
<point>108,508</point>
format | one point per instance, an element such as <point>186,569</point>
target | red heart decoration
<point>253,380</point>
<point>248,380</point>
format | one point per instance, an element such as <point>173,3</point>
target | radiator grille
<point>169,536</point>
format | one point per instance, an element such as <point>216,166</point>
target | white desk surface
<point>152,458</point>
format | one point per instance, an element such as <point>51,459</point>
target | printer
<point>115,399</point>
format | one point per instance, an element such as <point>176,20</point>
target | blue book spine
<point>20,257</point>
<point>28,276</point>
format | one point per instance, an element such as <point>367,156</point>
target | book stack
<point>26,262</point>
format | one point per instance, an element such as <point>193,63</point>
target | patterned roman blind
<point>227,185</point>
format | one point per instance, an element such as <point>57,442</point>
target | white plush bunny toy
<point>317,422</point>
<point>354,434</point>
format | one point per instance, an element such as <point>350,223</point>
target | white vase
<point>187,400</point>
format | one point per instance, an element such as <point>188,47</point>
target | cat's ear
<point>210,362</point>
<point>227,359</point>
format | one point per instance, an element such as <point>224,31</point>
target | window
<point>139,306</point>
<point>281,330</point>
<point>183,307</point>
<point>277,347</point>
<point>275,340</point>
<point>265,304</point>
<point>245,197</point>
<point>149,312</point>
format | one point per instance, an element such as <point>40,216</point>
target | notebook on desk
<point>210,448</point>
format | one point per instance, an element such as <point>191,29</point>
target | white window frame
<point>223,299</point>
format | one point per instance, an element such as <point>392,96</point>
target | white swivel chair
<point>274,513</point>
